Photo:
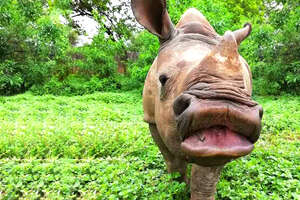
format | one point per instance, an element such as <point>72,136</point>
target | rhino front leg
<point>174,164</point>
<point>204,181</point>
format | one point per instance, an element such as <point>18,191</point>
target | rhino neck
<point>204,181</point>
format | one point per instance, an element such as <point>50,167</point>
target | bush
<point>72,85</point>
<point>35,47</point>
<point>147,47</point>
<point>78,85</point>
<point>88,61</point>
<point>273,52</point>
<point>11,79</point>
<point>31,40</point>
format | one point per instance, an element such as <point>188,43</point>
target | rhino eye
<point>163,79</point>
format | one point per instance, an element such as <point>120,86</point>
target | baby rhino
<point>197,95</point>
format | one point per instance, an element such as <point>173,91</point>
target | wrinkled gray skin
<point>197,96</point>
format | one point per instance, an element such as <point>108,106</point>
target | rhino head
<point>197,95</point>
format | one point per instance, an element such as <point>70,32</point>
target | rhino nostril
<point>181,104</point>
<point>261,112</point>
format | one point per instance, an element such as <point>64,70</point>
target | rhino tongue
<point>217,141</point>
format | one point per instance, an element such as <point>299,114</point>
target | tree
<point>113,16</point>
<point>253,9</point>
<point>31,40</point>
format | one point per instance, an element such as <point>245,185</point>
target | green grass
<point>98,147</point>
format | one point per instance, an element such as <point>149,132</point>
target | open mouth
<point>216,141</point>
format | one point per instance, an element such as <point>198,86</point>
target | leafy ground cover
<point>98,147</point>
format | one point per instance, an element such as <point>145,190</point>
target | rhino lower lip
<point>202,137</point>
<point>216,141</point>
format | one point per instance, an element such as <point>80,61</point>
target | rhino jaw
<point>215,146</point>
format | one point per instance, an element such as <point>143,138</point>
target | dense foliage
<point>98,147</point>
<point>279,41</point>
<point>31,40</point>
<point>37,50</point>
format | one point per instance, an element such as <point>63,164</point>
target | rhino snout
<point>217,129</point>
<point>193,114</point>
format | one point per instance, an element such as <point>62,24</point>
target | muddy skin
<point>197,96</point>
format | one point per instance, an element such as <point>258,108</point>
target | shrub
<point>35,47</point>
<point>273,50</point>
<point>31,40</point>
<point>78,85</point>
<point>147,47</point>
<point>11,79</point>
<point>72,85</point>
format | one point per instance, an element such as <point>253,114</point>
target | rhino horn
<point>228,46</point>
<point>242,33</point>
<point>230,41</point>
<point>153,15</point>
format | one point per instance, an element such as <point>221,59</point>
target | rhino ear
<point>153,15</point>
<point>243,33</point>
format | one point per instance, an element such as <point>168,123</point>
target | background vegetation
<point>37,50</point>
